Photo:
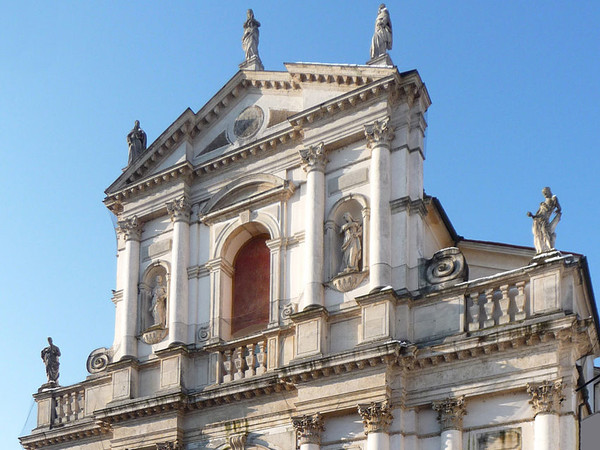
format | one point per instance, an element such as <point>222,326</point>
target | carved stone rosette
<point>131,228</point>
<point>309,428</point>
<point>450,412</point>
<point>546,396</point>
<point>378,133</point>
<point>179,209</point>
<point>377,417</point>
<point>314,158</point>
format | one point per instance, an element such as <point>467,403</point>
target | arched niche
<point>350,208</point>
<point>263,236</point>
<point>153,302</point>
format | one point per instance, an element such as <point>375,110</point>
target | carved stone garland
<point>546,396</point>
<point>450,412</point>
<point>309,428</point>
<point>377,417</point>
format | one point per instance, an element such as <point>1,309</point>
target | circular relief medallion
<point>248,122</point>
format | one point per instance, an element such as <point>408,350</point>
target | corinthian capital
<point>546,396</point>
<point>308,428</point>
<point>131,228</point>
<point>314,158</point>
<point>179,209</point>
<point>378,132</point>
<point>377,417</point>
<point>450,412</point>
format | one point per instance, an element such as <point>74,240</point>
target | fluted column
<point>377,418</point>
<point>379,138</point>
<point>450,416</point>
<point>546,398</point>
<point>132,231</point>
<point>313,162</point>
<point>179,210</point>
<point>308,431</point>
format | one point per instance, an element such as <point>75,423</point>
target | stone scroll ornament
<point>446,267</point>
<point>382,37</point>
<point>50,357</point>
<point>136,140</point>
<point>544,225</point>
<point>98,360</point>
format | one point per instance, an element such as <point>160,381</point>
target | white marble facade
<point>428,341</point>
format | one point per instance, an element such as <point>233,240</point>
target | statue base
<point>345,282</point>
<point>253,63</point>
<point>382,60</point>
<point>542,257</point>
<point>48,386</point>
<point>154,334</point>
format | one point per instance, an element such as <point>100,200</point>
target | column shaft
<point>378,441</point>
<point>451,440</point>
<point>545,432</point>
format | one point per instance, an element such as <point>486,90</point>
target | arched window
<point>251,287</point>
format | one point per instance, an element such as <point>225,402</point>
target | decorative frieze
<point>314,158</point>
<point>309,428</point>
<point>131,228</point>
<point>376,416</point>
<point>546,396</point>
<point>450,412</point>
<point>179,209</point>
<point>378,133</point>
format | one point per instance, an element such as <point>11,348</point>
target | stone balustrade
<point>245,359</point>
<point>496,304</point>
<point>68,406</point>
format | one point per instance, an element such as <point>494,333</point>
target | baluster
<point>489,308</point>
<point>55,415</point>
<point>238,360</point>
<point>228,364</point>
<point>504,303</point>
<point>261,358</point>
<point>251,361</point>
<point>474,310</point>
<point>77,395</point>
<point>520,301</point>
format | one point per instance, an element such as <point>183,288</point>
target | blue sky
<point>516,107</point>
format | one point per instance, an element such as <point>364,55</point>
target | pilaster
<point>308,431</point>
<point>313,163</point>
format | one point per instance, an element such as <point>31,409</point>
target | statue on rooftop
<point>382,38</point>
<point>136,139</point>
<point>544,235</point>
<point>351,247</point>
<point>158,304</point>
<point>250,36</point>
<point>50,356</point>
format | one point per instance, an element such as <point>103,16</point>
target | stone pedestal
<point>546,398</point>
<point>132,230</point>
<point>308,431</point>
<point>179,211</point>
<point>379,138</point>
<point>311,326</point>
<point>450,416</point>
<point>314,161</point>
<point>377,418</point>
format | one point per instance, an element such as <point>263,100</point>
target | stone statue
<point>158,305</point>
<point>351,248</point>
<point>382,38</point>
<point>544,235</point>
<point>136,139</point>
<point>50,357</point>
<point>250,37</point>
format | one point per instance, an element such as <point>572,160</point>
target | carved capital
<point>546,396</point>
<point>376,417</point>
<point>314,158</point>
<point>131,228</point>
<point>379,133</point>
<point>238,441</point>
<point>450,412</point>
<point>308,428</point>
<point>179,210</point>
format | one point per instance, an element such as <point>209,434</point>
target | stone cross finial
<point>450,412</point>
<point>309,428</point>
<point>377,417</point>
<point>546,396</point>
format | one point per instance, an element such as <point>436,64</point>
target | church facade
<point>284,282</point>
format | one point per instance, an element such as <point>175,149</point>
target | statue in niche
<point>158,303</point>
<point>136,139</point>
<point>351,247</point>
<point>250,36</point>
<point>50,356</point>
<point>382,38</point>
<point>543,228</point>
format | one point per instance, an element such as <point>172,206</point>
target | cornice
<point>82,429</point>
